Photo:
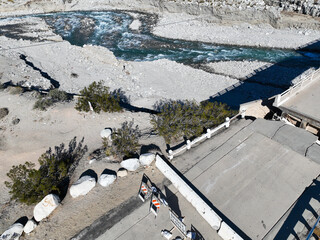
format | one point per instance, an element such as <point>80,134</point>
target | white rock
<point>135,25</point>
<point>92,161</point>
<point>13,233</point>
<point>147,158</point>
<point>82,186</point>
<point>30,226</point>
<point>106,179</point>
<point>44,208</point>
<point>166,234</point>
<point>130,164</point>
<point>105,133</point>
<point>122,172</point>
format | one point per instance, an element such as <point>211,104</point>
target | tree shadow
<point>90,173</point>
<point>149,148</point>
<point>295,216</point>
<point>63,188</point>
<point>268,81</point>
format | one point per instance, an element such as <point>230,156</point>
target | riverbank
<point>144,83</point>
<point>197,28</point>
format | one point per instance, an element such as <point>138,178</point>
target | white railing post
<point>243,114</point>
<point>227,122</point>
<point>188,144</point>
<point>208,133</point>
<point>170,154</point>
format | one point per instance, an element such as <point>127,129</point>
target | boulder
<point>107,179</point>
<point>105,133</point>
<point>166,234</point>
<point>13,233</point>
<point>130,164</point>
<point>44,208</point>
<point>122,172</point>
<point>82,186</point>
<point>147,158</point>
<point>30,226</point>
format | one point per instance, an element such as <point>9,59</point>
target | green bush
<point>59,96</point>
<point>43,104</point>
<point>187,118</point>
<point>100,98</point>
<point>29,185</point>
<point>53,97</point>
<point>125,140</point>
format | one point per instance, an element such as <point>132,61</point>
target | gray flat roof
<point>306,102</point>
<point>256,183</point>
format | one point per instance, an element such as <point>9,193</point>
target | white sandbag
<point>44,208</point>
<point>130,164</point>
<point>147,158</point>
<point>82,186</point>
<point>13,233</point>
<point>30,226</point>
<point>226,233</point>
<point>106,179</point>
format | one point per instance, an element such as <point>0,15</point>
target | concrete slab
<point>306,102</point>
<point>141,224</point>
<point>256,183</point>
<point>266,127</point>
<point>297,139</point>
<point>313,153</point>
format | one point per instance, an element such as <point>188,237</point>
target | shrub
<point>187,118</point>
<point>15,90</point>
<point>43,104</point>
<point>100,98</point>
<point>29,185</point>
<point>125,140</point>
<point>53,97</point>
<point>3,112</point>
<point>59,96</point>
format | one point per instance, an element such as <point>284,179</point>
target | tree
<point>100,98</point>
<point>29,185</point>
<point>125,140</point>
<point>187,118</point>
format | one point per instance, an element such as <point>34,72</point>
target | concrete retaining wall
<point>213,219</point>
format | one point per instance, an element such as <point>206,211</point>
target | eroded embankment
<point>254,11</point>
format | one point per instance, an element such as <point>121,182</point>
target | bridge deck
<point>306,102</point>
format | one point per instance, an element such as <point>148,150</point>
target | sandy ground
<point>143,82</point>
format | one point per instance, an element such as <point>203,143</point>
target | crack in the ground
<point>54,82</point>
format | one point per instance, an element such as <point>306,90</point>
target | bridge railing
<point>306,79</point>
<point>205,136</point>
